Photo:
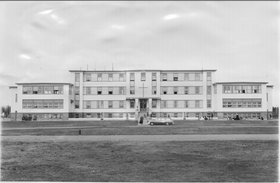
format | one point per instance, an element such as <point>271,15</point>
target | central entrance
<point>143,105</point>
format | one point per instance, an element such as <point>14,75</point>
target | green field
<point>134,161</point>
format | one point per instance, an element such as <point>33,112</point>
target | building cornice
<point>42,83</point>
<point>144,70</point>
<point>240,83</point>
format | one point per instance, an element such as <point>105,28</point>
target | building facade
<point>128,94</point>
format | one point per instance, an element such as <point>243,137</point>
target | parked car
<point>161,121</point>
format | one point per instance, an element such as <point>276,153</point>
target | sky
<point>42,41</point>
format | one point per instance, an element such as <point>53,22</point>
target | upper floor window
<point>110,104</point>
<point>110,91</point>
<point>121,90</point>
<point>175,103</point>
<point>132,104</point>
<point>88,77</point>
<point>121,77</point>
<point>143,76</point>
<point>186,90</point>
<point>175,77</point>
<point>186,75</point>
<point>77,77</point>
<point>110,77</point>
<point>154,104</point>
<point>87,90</point>
<point>77,90</point>
<point>132,77</point>
<point>241,88</point>
<point>197,104</point>
<point>154,76</point>
<point>132,90</point>
<point>209,76</point>
<point>154,90</point>
<point>99,77</point>
<point>208,90</point>
<point>164,77</point>
<point>197,77</point>
<point>164,90</point>
<point>99,90</point>
<point>175,90</point>
<point>121,105</point>
<point>208,103</point>
<point>186,104</point>
<point>197,90</point>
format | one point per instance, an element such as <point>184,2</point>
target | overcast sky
<point>42,41</point>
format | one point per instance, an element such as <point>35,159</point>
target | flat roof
<point>242,82</point>
<point>44,83</point>
<point>140,70</point>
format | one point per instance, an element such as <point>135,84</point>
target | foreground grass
<point>224,161</point>
<point>131,128</point>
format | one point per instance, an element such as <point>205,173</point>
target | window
<point>88,105</point>
<point>99,77</point>
<point>164,90</point>
<point>98,104</point>
<point>110,91</point>
<point>154,104</point>
<point>121,90</point>
<point>175,77</point>
<point>110,104</point>
<point>121,77</point>
<point>208,103</point>
<point>242,103</point>
<point>197,104</point>
<point>77,104</point>
<point>132,90</point>
<point>175,104</point>
<point>143,76</point>
<point>208,76</point>
<point>197,76</point>
<point>164,77</point>
<point>58,90</point>
<point>99,90</point>
<point>227,89</point>
<point>154,76</point>
<point>48,89</point>
<point>186,104</point>
<point>132,77</point>
<point>110,77</point>
<point>186,90</point>
<point>88,77</point>
<point>132,104</point>
<point>186,76</point>
<point>77,77</point>
<point>121,104</point>
<point>154,90</point>
<point>208,90</point>
<point>197,90</point>
<point>77,90</point>
<point>163,104</point>
<point>110,115</point>
<point>175,90</point>
<point>35,90</point>
<point>87,90</point>
<point>24,90</point>
<point>175,115</point>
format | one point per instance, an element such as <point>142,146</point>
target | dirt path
<point>143,138</point>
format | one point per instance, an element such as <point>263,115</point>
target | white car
<point>161,121</point>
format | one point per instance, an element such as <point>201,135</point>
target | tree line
<point>6,111</point>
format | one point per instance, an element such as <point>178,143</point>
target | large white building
<point>128,94</point>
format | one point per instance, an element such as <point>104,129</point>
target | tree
<point>6,110</point>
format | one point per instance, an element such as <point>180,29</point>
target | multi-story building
<point>128,94</point>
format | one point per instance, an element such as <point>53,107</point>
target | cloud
<point>171,16</point>
<point>45,12</point>
<point>25,57</point>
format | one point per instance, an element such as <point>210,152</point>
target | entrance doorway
<point>143,105</point>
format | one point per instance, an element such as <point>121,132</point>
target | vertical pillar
<point>150,106</point>
<point>137,108</point>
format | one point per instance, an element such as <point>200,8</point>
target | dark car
<point>161,121</point>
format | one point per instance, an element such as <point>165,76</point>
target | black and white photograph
<point>139,91</point>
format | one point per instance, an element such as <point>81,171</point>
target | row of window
<point>45,116</point>
<point>93,104</point>
<point>88,77</point>
<point>182,104</point>
<point>102,115</point>
<point>243,115</point>
<point>181,90</point>
<point>42,104</point>
<point>102,91</point>
<point>42,89</point>
<point>244,103</point>
<point>242,89</point>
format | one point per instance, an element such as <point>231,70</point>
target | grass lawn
<point>223,161</point>
<point>131,128</point>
